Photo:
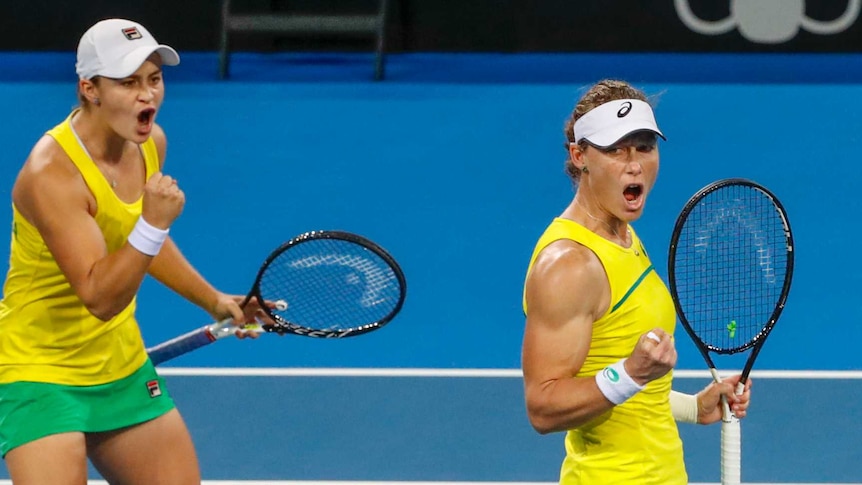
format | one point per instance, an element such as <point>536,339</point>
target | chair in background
<point>304,24</point>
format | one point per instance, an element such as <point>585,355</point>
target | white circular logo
<point>767,21</point>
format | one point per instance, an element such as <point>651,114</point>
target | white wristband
<point>683,407</point>
<point>616,384</point>
<point>146,238</point>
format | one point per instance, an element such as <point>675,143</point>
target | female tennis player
<point>598,345</point>
<point>91,214</point>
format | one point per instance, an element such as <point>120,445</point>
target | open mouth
<point>633,192</point>
<point>146,116</point>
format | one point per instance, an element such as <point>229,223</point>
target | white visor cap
<point>606,124</point>
<point>116,48</point>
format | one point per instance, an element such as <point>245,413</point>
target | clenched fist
<point>163,200</point>
<point>653,356</point>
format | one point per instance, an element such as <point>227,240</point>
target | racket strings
<point>331,284</point>
<point>730,267</point>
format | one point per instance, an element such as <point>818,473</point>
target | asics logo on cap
<point>625,109</point>
<point>132,33</point>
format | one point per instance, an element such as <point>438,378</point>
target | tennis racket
<point>327,284</point>
<point>729,268</point>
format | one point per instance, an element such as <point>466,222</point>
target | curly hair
<point>598,94</point>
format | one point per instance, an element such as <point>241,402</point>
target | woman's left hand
<point>709,400</point>
<point>228,306</point>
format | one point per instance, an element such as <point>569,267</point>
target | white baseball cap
<point>607,123</point>
<point>116,48</point>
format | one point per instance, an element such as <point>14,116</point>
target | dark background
<point>429,25</point>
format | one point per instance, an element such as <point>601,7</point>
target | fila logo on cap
<point>627,106</point>
<point>132,33</point>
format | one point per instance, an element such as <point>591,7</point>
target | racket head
<point>730,265</point>
<point>335,284</point>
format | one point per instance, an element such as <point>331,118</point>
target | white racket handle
<point>731,448</point>
<point>731,440</point>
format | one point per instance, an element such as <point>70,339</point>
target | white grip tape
<point>731,452</point>
<point>653,336</point>
<point>616,384</point>
<point>146,238</point>
<point>731,441</point>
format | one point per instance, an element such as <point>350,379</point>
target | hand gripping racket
<point>328,284</point>
<point>729,269</point>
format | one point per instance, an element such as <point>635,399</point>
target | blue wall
<point>454,165</point>
<point>457,180</point>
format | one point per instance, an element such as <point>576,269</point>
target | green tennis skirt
<point>33,410</point>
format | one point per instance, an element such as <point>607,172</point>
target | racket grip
<point>187,342</point>
<point>731,451</point>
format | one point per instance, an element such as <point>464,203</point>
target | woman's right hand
<point>653,356</point>
<point>163,201</point>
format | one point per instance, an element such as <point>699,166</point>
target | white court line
<point>493,373</point>
<point>318,482</point>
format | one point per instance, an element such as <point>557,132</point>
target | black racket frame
<point>283,326</point>
<point>756,343</point>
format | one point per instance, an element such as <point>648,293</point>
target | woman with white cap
<point>91,214</point>
<point>598,342</point>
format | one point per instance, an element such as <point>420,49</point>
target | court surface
<point>454,165</point>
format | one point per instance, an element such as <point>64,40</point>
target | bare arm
<point>566,292</point>
<point>51,194</point>
<point>557,337</point>
<point>171,268</point>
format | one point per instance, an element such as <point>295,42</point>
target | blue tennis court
<point>455,165</point>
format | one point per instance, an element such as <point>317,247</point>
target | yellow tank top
<point>46,332</point>
<point>636,442</point>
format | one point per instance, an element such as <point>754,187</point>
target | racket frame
<point>731,453</point>
<point>208,334</point>
<point>756,343</point>
<point>283,326</point>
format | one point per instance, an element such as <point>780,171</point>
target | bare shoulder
<point>48,173</point>
<point>161,140</point>
<point>567,277</point>
<point>566,260</point>
<point>159,136</point>
<point>47,161</point>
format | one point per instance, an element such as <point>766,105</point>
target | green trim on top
<point>632,289</point>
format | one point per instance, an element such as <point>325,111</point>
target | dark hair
<point>597,95</point>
